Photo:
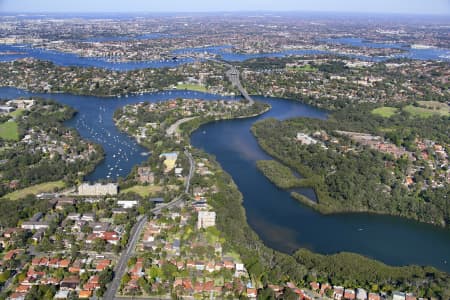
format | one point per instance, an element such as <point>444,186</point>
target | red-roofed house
<point>85,294</point>
<point>17,296</point>
<point>314,285</point>
<point>410,296</point>
<point>103,264</point>
<point>53,263</point>
<point>349,294</point>
<point>35,261</point>
<point>252,293</point>
<point>64,263</point>
<point>111,237</point>
<point>10,255</point>
<point>23,288</point>
<point>374,296</point>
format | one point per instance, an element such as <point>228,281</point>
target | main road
<point>121,266</point>
<point>233,76</point>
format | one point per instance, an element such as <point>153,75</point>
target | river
<point>14,52</point>
<point>283,223</point>
<point>279,220</point>
<point>94,121</point>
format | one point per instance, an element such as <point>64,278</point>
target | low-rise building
<point>127,203</point>
<point>361,294</point>
<point>30,225</point>
<point>145,175</point>
<point>98,189</point>
<point>206,219</point>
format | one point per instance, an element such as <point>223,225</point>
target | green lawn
<point>9,131</point>
<point>192,87</point>
<point>305,68</point>
<point>35,189</point>
<point>385,111</point>
<point>423,112</point>
<point>143,190</point>
<point>17,113</point>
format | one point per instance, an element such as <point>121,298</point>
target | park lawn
<point>385,111</point>
<point>233,254</point>
<point>143,190</point>
<point>423,112</point>
<point>9,131</point>
<point>17,113</point>
<point>192,87</point>
<point>35,189</point>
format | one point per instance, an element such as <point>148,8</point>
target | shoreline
<point>326,210</point>
<point>297,253</point>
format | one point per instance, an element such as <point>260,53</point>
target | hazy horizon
<point>407,7</point>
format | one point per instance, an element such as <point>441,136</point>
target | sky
<point>437,7</point>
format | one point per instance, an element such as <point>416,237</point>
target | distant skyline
<point>433,7</point>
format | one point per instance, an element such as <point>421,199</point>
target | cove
<point>282,222</point>
<point>94,122</point>
<point>286,225</point>
<point>224,52</point>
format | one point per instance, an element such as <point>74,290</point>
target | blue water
<point>282,222</point>
<point>419,54</point>
<point>94,122</point>
<point>285,224</point>
<point>68,59</point>
<point>357,42</point>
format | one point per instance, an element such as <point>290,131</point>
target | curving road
<point>121,266</point>
<point>174,127</point>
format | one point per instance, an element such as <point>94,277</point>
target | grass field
<point>385,111</point>
<point>305,68</point>
<point>142,190</point>
<point>17,113</point>
<point>9,131</point>
<point>192,87</point>
<point>424,112</point>
<point>35,189</point>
